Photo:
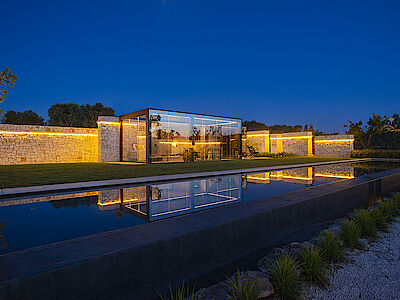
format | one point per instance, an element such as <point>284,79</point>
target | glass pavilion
<point>153,135</point>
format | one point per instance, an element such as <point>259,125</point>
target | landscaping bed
<point>358,257</point>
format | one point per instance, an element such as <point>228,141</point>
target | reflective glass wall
<point>181,137</point>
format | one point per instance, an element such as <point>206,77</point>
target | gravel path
<point>370,274</point>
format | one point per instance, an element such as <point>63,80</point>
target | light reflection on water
<point>41,220</point>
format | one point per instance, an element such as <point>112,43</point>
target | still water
<point>29,222</point>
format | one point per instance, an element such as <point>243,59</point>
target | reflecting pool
<point>33,221</point>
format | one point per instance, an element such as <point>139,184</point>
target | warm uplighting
<point>335,141</point>
<point>254,135</point>
<point>257,178</point>
<point>46,133</point>
<point>292,137</point>
<point>175,144</point>
<point>117,202</point>
<point>129,124</point>
<point>108,203</point>
<point>334,176</point>
<point>292,177</point>
<point>108,123</point>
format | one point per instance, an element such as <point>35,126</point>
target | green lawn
<point>40,174</point>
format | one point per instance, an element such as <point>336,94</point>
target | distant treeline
<point>273,129</point>
<point>61,114</point>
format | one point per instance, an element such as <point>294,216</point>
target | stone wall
<point>109,139</point>
<point>275,143</point>
<point>335,171</point>
<point>30,144</point>
<point>134,141</point>
<point>298,143</point>
<point>259,140</point>
<point>334,145</point>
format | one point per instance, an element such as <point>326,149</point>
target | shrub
<point>241,288</point>
<point>380,219</point>
<point>285,276</point>
<point>365,221</point>
<point>396,200</point>
<point>330,246</point>
<point>350,234</point>
<point>388,210</point>
<point>182,292</point>
<point>375,153</point>
<point>313,266</point>
<point>274,155</point>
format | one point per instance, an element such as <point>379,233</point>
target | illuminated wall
<point>334,145</point>
<point>30,144</point>
<point>134,139</point>
<point>109,139</point>
<point>259,140</point>
<point>299,143</point>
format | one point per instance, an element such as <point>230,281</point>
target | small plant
<point>350,234</point>
<point>396,200</point>
<point>330,246</point>
<point>388,210</point>
<point>274,155</point>
<point>241,288</point>
<point>379,219</point>
<point>365,221</point>
<point>182,292</point>
<point>285,276</point>
<point>313,266</point>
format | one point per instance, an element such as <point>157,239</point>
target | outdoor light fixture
<point>47,133</point>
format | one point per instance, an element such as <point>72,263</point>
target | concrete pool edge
<point>7,192</point>
<point>171,248</point>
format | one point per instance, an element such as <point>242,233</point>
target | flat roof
<point>145,111</point>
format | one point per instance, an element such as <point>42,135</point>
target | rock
<point>295,245</point>
<point>265,262</point>
<point>263,282</point>
<point>214,292</point>
<point>307,244</point>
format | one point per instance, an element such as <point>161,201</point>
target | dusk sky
<point>278,62</point>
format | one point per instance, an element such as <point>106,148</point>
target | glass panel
<point>180,137</point>
<point>172,199</point>
<point>134,139</point>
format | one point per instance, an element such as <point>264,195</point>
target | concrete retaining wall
<point>132,262</point>
<point>29,144</point>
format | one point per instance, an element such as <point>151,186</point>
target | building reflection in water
<point>154,202</point>
<point>171,199</point>
<point>307,176</point>
<point>160,201</point>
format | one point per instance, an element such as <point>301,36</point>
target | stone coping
<point>8,192</point>
<point>263,132</point>
<point>334,137</point>
<point>46,129</point>
<point>28,262</point>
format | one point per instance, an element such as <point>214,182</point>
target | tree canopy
<point>378,132</point>
<point>75,115</point>
<point>273,129</point>
<point>7,80</point>
<point>27,117</point>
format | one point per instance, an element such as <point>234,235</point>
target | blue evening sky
<point>279,62</point>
